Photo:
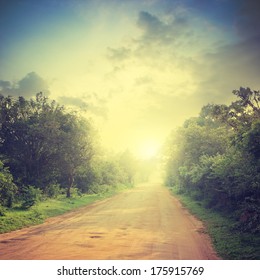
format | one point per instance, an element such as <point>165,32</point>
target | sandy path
<point>143,223</point>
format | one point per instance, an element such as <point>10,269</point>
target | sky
<point>138,68</point>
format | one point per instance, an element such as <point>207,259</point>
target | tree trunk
<point>70,184</point>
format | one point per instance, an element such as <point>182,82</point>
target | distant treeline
<point>46,150</point>
<point>215,159</point>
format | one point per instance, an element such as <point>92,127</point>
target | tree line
<point>45,150</point>
<point>215,159</point>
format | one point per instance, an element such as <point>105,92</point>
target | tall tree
<point>41,141</point>
<point>76,147</point>
<point>215,158</point>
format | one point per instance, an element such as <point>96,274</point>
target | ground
<point>143,223</point>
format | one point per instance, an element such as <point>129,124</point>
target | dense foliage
<point>215,158</point>
<point>46,149</point>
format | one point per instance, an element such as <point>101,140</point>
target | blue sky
<point>139,67</point>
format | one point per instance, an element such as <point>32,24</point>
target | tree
<point>28,135</point>
<point>242,113</point>
<point>214,158</point>
<point>128,165</point>
<point>7,187</point>
<point>42,142</point>
<point>75,147</point>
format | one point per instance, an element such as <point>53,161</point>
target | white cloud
<point>28,86</point>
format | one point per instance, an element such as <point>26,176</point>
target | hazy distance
<point>138,68</point>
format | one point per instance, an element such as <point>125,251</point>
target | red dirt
<point>146,222</point>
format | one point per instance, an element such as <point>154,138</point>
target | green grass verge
<point>17,218</point>
<point>229,243</point>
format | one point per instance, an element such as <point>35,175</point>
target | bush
<point>75,192</point>
<point>95,189</point>
<point>249,216</point>
<point>7,187</point>
<point>53,190</point>
<point>31,196</point>
<point>2,211</point>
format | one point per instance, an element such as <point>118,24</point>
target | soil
<point>144,223</point>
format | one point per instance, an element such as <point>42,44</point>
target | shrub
<point>7,187</point>
<point>53,190</point>
<point>31,196</point>
<point>2,211</point>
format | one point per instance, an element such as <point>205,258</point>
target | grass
<point>17,218</point>
<point>229,243</point>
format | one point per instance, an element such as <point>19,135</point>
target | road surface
<point>146,222</point>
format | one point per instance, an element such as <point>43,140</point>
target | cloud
<point>5,87</point>
<point>215,64</point>
<point>156,30</point>
<point>149,67</point>
<point>150,23</point>
<point>119,54</point>
<point>28,86</point>
<point>73,101</point>
<point>90,103</point>
<point>143,80</point>
<point>228,68</point>
<point>247,20</point>
<point>163,59</point>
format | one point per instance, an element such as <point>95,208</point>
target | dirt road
<point>143,223</point>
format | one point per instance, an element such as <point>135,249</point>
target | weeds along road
<point>145,222</point>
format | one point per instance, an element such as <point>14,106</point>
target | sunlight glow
<point>148,149</point>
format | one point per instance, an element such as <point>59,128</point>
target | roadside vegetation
<point>50,162</point>
<point>18,217</point>
<point>229,243</point>
<point>213,163</point>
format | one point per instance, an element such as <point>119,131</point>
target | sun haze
<point>137,68</point>
<point>148,149</point>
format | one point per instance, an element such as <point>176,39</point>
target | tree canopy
<point>45,148</point>
<point>215,158</point>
